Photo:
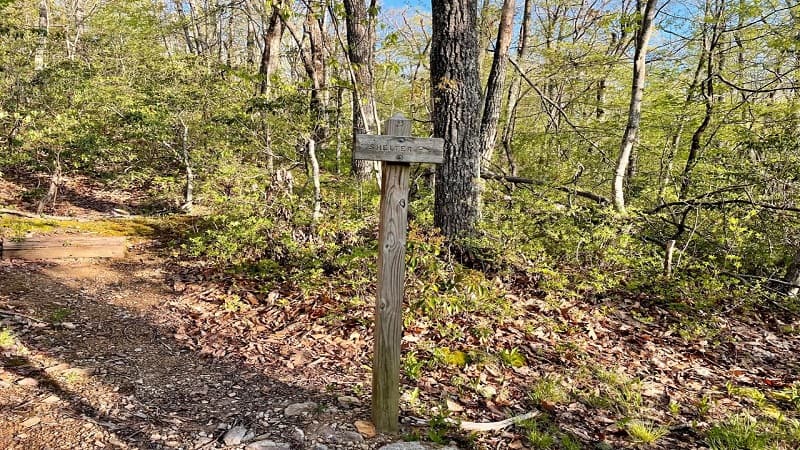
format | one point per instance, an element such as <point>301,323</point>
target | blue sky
<point>424,5</point>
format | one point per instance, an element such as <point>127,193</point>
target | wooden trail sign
<point>396,149</point>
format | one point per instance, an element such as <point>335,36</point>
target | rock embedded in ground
<point>33,421</point>
<point>347,401</point>
<point>267,445</point>
<point>331,436</point>
<point>415,446</point>
<point>295,409</point>
<point>235,435</point>
<point>30,382</point>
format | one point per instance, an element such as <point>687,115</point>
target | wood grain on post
<point>391,273</point>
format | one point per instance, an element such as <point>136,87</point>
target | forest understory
<point>161,350</point>
<point>592,206</point>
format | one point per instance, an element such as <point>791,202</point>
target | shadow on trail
<point>163,388</point>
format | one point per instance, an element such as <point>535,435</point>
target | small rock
<point>202,441</point>
<point>298,435</point>
<point>33,421</point>
<point>68,325</point>
<point>415,446</point>
<point>51,399</point>
<point>319,447</point>
<point>30,382</point>
<point>235,435</point>
<point>295,409</point>
<point>57,369</point>
<point>347,401</point>
<point>267,445</point>
<point>347,437</point>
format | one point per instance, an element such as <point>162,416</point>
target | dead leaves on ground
<point>312,337</point>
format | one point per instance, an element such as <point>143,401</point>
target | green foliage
<point>645,432</point>
<point>59,315</point>
<point>6,338</point>
<point>512,357</point>
<point>542,433</point>
<point>738,432</point>
<point>412,367</point>
<point>745,431</point>
<point>548,389</point>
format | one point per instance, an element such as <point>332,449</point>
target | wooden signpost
<point>396,149</point>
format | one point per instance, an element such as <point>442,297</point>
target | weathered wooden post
<point>395,149</point>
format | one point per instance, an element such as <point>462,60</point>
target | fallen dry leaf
<point>367,429</point>
<point>454,406</point>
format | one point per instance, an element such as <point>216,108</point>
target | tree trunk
<point>361,53</point>
<point>187,35</point>
<point>55,181</point>
<point>311,147</point>
<point>514,92</point>
<point>635,107</point>
<point>668,156</point>
<point>41,45</point>
<point>494,86</point>
<point>250,44</point>
<point>188,192</point>
<point>337,126</point>
<point>710,42</point>
<point>269,57</point>
<point>455,86</point>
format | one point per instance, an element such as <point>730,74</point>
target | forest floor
<point>155,351</point>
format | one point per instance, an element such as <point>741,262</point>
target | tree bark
<point>710,42</point>
<point>635,107</point>
<point>360,22</point>
<point>311,148</point>
<point>514,92</point>
<point>494,86</point>
<point>55,181</point>
<point>455,86</point>
<point>273,31</point>
<point>41,45</point>
<point>187,35</point>
<point>188,192</point>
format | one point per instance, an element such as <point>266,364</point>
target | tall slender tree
<point>645,30</point>
<point>361,54</point>
<point>494,86</point>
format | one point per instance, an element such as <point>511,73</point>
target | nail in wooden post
<point>391,273</point>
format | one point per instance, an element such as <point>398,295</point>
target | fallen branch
<point>494,426</point>
<point>8,313</point>
<point>570,190</point>
<point>721,203</point>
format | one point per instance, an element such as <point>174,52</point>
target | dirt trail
<point>92,365</point>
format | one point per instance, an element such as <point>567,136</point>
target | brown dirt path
<point>88,362</point>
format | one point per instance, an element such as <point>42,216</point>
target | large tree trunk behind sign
<point>456,98</point>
